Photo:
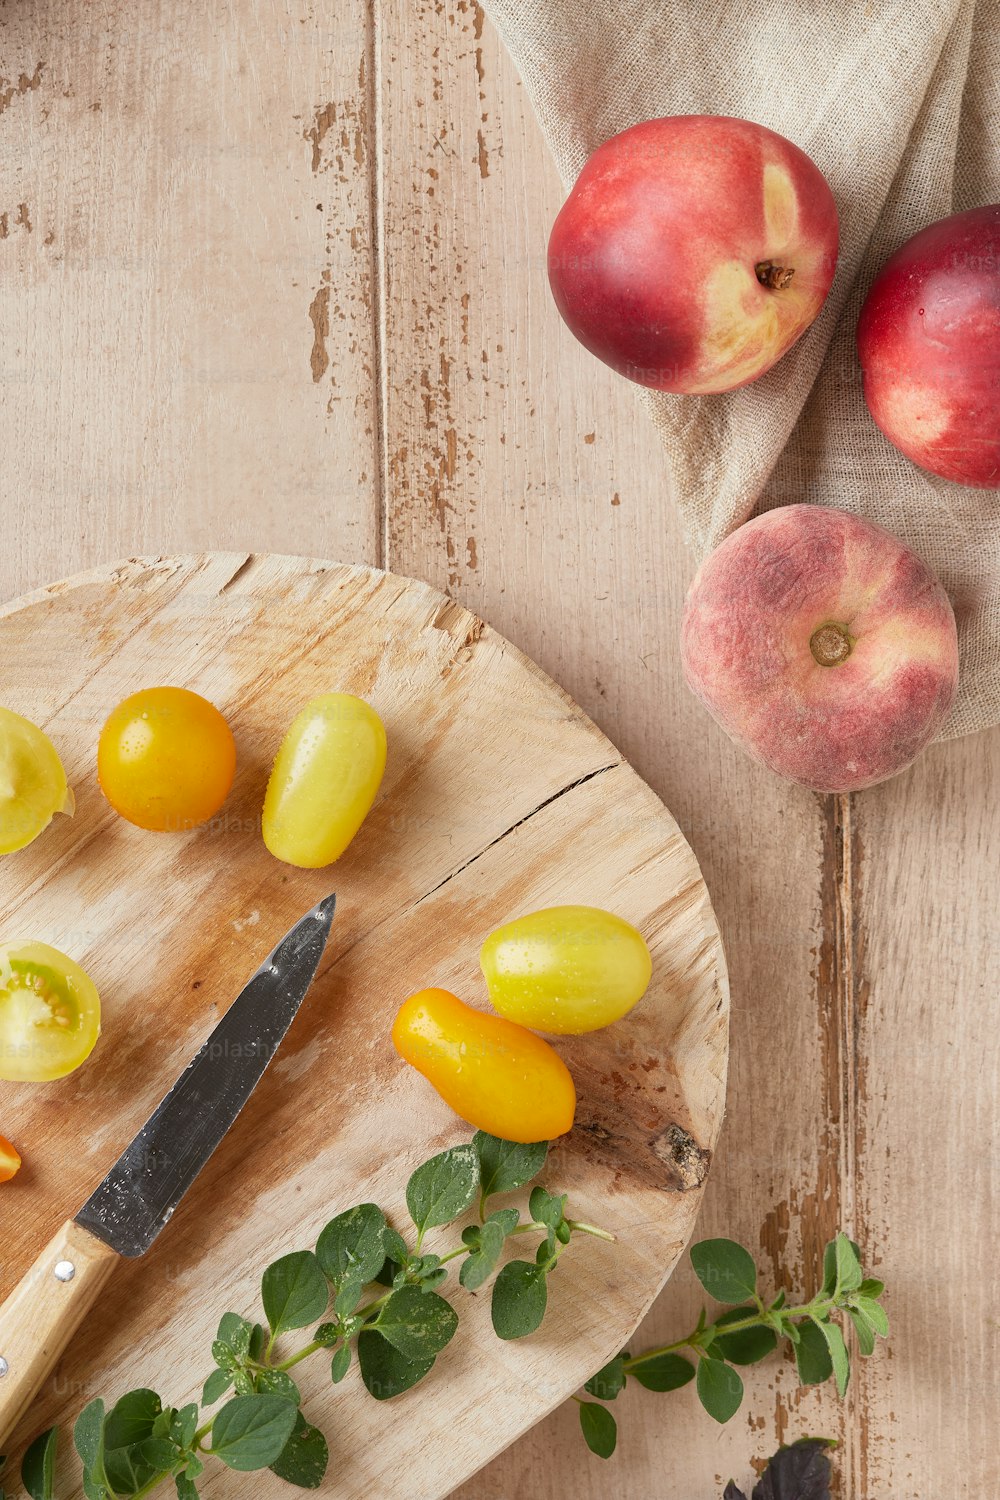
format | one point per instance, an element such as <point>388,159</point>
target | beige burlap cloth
<point>899,105</point>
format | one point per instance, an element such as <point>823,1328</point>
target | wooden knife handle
<point>42,1314</point>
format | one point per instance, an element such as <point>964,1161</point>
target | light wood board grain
<point>506,465</point>
<point>499,798</point>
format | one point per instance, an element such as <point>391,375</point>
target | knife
<point>126,1213</point>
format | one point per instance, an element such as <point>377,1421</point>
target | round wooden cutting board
<point>500,797</point>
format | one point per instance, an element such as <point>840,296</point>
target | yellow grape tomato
<point>166,759</point>
<point>566,969</point>
<point>50,1013</point>
<point>33,783</point>
<point>495,1075</point>
<point>324,780</point>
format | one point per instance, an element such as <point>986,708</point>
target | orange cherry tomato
<point>166,759</point>
<point>496,1075</point>
<point>10,1162</point>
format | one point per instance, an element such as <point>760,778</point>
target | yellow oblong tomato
<point>495,1075</point>
<point>50,1013</point>
<point>33,785</point>
<point>324,781</point>
<point>566,969</point>
<point>166,759</point>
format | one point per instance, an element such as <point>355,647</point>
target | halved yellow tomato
<point>166,759</point>
<point>10,1161</point>
<point>50,1013</point>
<point>33,783</point>
<point>324,781</point>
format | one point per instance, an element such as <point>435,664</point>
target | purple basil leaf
<point>800,1472</point>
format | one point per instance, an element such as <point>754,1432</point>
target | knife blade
<point>152,1174</point>
<point>125,1214</point>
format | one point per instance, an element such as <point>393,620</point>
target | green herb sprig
<point>368,1293</point>
<point>750,1331</point>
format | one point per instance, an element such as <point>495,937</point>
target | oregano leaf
<point>812,1355</point>
<point>481,1262</point>
<point>664,1372</point>
<point>839,1357</point>
<point>216,1387</point>
<point>599,1428</point>
<point>250,1432</point>
<point>88,1438</point>
<point>417,1323</point>
<point>443,1188</point>
<point>159,1453</point>
<point>351,1252</point>
<point>520,1296</point>
<point>131,1419</point>
<point>38,1466</point>
<point>278,1383</point>
<point>725,1270</point>
<point>386,1372</point>
<point>294,1292</point>
<point>847,1261</point>
<point>720,1389</point>
<point>548,1209</point>
<point>876,1315</point>
<point>748,1345</point>
<point>506,1165</point>
<point>126,1469</point>
<point>864,1331</point>
<point>304,1459</point>
<point>609,1381</point>
<point>235,1333</point>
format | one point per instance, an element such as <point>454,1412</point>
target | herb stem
<point>459,1250</point>
<point>374,1306</point>
<point>699,1340</point>
<point>294,1359</point>
<point>601,1234</point>
<point>151,1484</point>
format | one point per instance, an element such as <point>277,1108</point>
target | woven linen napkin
<point>899,106</point>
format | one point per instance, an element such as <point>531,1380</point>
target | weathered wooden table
<point>272,276</point>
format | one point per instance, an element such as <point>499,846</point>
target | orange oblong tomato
<point>496,1075</point>
<point>10,1161</point>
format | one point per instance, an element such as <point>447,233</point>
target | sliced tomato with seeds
<point>50,1013</point>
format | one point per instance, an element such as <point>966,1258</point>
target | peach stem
<point>831,644</point>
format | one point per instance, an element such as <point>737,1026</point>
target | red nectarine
<point>693,251</point>
<point>929,344</point>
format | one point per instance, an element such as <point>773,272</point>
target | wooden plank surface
<point>473,444</point>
